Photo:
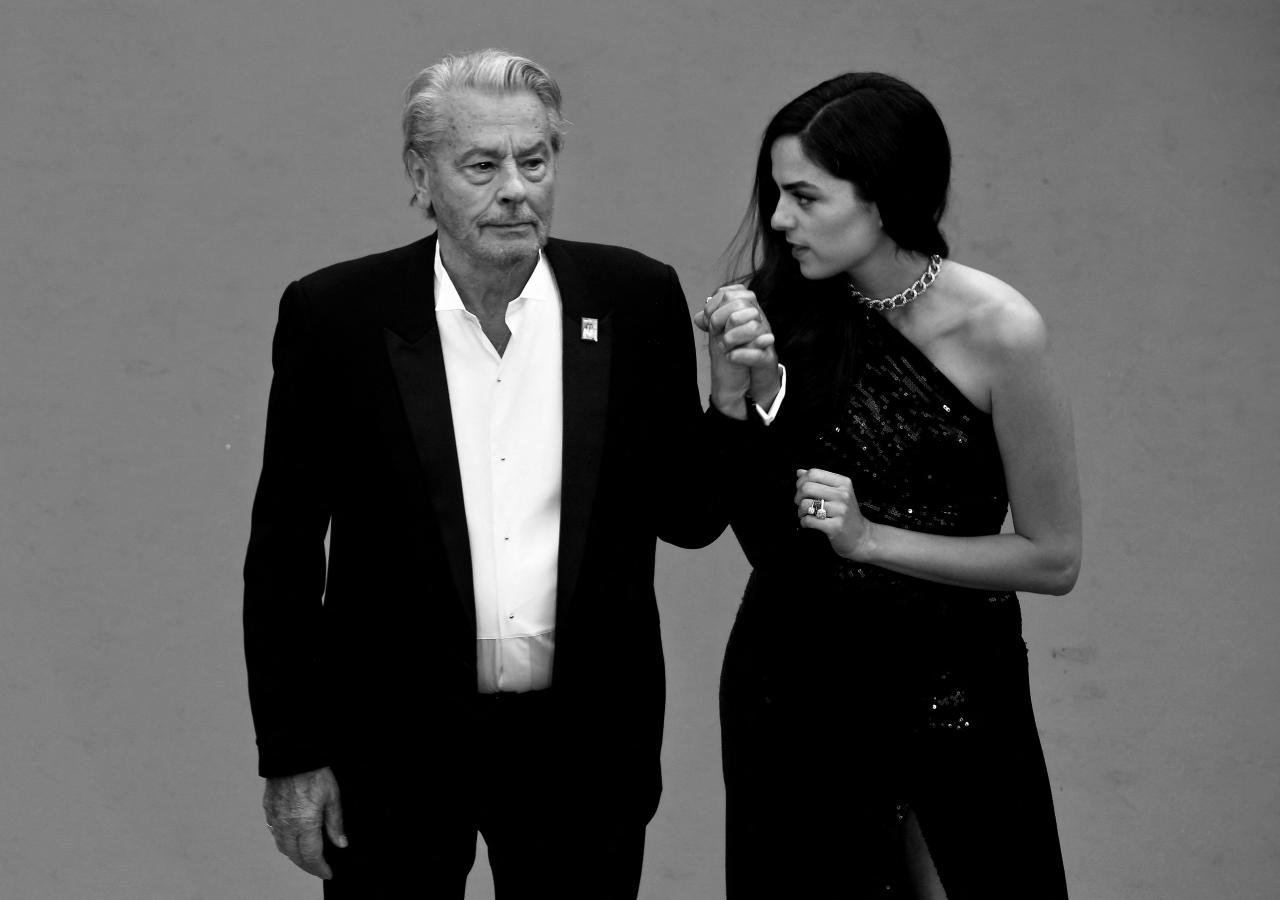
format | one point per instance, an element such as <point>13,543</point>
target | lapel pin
<point>590,329</point>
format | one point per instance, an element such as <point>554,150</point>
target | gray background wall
<point>168,166</point>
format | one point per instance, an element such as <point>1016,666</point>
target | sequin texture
<point>921,457</point>
<point>889,692</point>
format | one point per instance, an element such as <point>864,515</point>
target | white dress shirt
<point>768,415</point>
<point>508,419</point>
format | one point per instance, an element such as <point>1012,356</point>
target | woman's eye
<point>802,201</point>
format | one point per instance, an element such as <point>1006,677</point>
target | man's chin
<point>511,250</point>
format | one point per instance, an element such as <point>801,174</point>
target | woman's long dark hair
<point>884,136</point>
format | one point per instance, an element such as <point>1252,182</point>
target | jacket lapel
<point>586,402</point>
<point>413,347</point>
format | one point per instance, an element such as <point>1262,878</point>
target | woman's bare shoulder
<point>997,319</point>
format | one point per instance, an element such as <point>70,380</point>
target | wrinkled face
<point>829,227</point>
<point>490,178</point>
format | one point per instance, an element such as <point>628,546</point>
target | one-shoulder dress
<point>853,696</point>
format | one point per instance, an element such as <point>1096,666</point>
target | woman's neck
<point>887,273</point>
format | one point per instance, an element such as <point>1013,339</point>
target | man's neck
<point>485,290</point>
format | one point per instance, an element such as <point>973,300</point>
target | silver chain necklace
<point>920,285</point>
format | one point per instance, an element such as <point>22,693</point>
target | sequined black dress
<point>851,694</point>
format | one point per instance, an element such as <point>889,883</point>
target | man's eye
<point>534,163</point>
<point>481,167</point>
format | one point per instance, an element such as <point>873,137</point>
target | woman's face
<point>829,227</point>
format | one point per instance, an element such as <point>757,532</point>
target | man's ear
<point>420,175</point>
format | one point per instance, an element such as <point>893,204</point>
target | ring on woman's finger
<point>822,510</point>
<point>810,506</point>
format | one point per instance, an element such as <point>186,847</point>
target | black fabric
<point>851,695</point>
<point>538,846</point>
<point>378,679</point>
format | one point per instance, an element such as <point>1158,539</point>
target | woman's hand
<point>740,344</point>
<point>825,502</point>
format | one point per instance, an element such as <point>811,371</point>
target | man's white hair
<point>490,71</point>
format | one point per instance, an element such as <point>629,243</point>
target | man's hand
<point>740,343</point>
<point>297,808</point>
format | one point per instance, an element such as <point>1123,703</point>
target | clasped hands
<point>740,344</point>
<point>744,364</point>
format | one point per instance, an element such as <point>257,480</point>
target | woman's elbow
<point>1061,569</point>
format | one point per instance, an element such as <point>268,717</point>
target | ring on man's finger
<point>810,506</point>
<point>822,510</point>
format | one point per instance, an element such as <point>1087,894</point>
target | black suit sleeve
<point>284,569</point>
<point>691,509</point>
<point>715,467</point>
<point>763,469</point>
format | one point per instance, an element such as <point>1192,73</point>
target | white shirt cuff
<point>772,413</point>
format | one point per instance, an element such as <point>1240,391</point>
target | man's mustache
<point>526,220</point>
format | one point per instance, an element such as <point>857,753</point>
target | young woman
<point>878,736</point>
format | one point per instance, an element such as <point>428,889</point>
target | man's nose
<point>512,189</point>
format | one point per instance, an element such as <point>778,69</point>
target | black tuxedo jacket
<point>381,671</point>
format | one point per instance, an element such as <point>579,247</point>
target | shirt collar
<point>540,286</point>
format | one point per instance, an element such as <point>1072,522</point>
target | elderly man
<point>494,427</point>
